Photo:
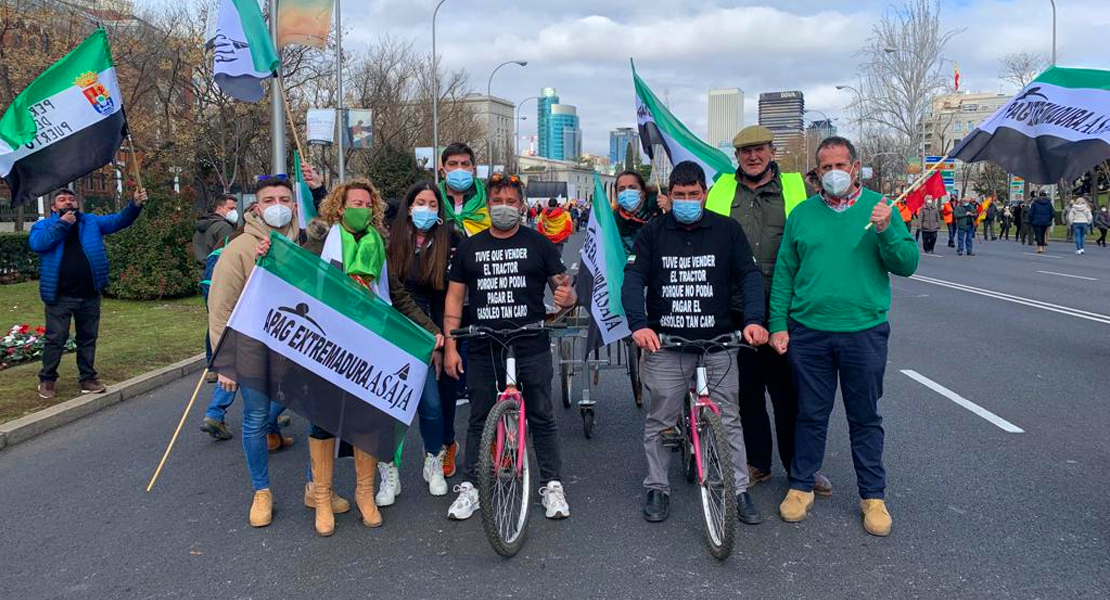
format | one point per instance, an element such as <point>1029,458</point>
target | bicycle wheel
<point>566,372</point>
<point>689,467</point>
<point>718,488</point>
<point>504,482</point>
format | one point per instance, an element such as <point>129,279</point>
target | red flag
<point>956,77</point>
<point>933,186</point>
<point>915,200</point>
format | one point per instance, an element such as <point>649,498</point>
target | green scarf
<point>364,256</point>
<point>474,210</point>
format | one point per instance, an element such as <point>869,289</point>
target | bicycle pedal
<point>672,439</point>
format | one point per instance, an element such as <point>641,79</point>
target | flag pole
<point>913,186</point>
<point>289,115</point>
<point>135,162</point>
<point>177,432</point>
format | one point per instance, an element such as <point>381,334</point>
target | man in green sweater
<point>829,304</point>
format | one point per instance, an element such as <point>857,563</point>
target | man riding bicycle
<point>698,268</point>
<point>504,270</point>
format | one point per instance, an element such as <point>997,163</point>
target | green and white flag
<point>68,123</point>
<point>306,208</point>
<point>658,126</point>
<point>243,52</point>
<point>603,257</point>
<point>1058,127</point>
<point>308,336</point>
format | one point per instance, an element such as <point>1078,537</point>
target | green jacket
<point>965,215</point>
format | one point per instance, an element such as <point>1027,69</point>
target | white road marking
<point>1067,275</point>
<point>1044,255</point>
<point>994,419</point>
<point>1056,308</point>
<point>931,255</point>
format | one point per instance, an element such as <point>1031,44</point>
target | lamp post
<point>516,128</point>
<point>805,134</point>
<point>1053,32</point>
<point>435,95</point>
<point>489,112</point>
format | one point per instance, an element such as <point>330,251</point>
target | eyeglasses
<point>503,179</point>
<point>274,177</point>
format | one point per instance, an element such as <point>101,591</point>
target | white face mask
<point>837,183</point>
<point>277,215</point>
<point>232,216</point>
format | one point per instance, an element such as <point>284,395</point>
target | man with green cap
<point>760,197</point>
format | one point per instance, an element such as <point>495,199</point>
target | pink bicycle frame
<point>703,401</point>
<point>511,393</point>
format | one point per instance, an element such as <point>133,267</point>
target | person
<point>74,269</point>
<point>833,320</point>
<point>990,213</point>
<point>1080,217</point>
<point>1102,222</point>
<point>759,196</point>
<point>273,210</point>
<point>905,212</point>
<point>212,231</point>
<point>1041,216</point>
<point>1018,212</point>
<point>349,234</point>
<point>556,224</point>
<point>501,302</point>
<point>465,194</point>
<point>1005,219</point>
<point>929,217</point>
<point>948,211</point>
<point>691,244</point>
<point>1027,237</point>
<point>634,208</point>
<point>964,217</point>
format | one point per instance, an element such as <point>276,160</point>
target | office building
<point>564,136</point>
<point>781,112</point>
<point>952,116</point>
<point>495,115</point>
<point>619,139</point>
<point>726,115</point>
<point>548,98</point>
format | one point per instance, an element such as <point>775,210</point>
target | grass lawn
<point>135,337</point>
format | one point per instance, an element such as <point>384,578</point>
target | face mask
<point>758,176</point>
<point>687,212</point>
<point>629,199</point>
<point>460,180</point>
<point>277,215</point>
<point>357,219</point>
<point>837,183</point>
<point>504,217</point>
<point>232,216</point>
<point>423,218</point>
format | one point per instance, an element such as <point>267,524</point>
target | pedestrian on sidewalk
<point>843,340</point>
<point>1080,217</point>
<point>1020,219</point>
<point>947,211</point>
<point>1041,216</point>
<point>964,217</point>
<point>1005,219</point>
<point>70,245</point>
<point>929,224</point>
<point>1102,222</point>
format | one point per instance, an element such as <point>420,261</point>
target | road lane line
<point>931,255</point>
<point>1044,255</point>
<point>1067,275</point>
<point>994,419</point>
<point>1056,308</point>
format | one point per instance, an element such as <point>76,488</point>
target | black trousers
<point>534,382</point>
<point>1004,231</point>
<point>929,240</point>
<point>1039,233</point>
<point>765,369</point>
<point>1102,236</point>
<point>85,313</point>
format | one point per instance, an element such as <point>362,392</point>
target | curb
<point>38,423</point>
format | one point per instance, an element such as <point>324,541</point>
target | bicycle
<point>504,469</point>
<point>706,456</point>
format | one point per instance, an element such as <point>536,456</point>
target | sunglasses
<point>274,177</point>
<point>502,179</point>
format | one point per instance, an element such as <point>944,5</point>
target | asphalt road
<point>979,511</point>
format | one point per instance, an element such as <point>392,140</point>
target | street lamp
<point>805,134</point>
<point>489,111</point>
<point>1053,32</point>
<point>516,129</point>
<point>435,94</point>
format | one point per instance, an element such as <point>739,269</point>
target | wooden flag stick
<point>135,162</point>
<point>914,185</point>
<point>289,117</point>
<point>177,432</point>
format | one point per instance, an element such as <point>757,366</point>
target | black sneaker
<point>657,506</point>
<point>217,429</point>
<point>746,509</point>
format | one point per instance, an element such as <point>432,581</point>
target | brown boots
<point>366,468</point>
<point>322,455</point>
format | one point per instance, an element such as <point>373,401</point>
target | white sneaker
<point>555,501</point>
<point>465,504</point>
<point>433,473</point>
<point>390,486</point>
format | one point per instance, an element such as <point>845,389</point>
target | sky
<point>684,47</point>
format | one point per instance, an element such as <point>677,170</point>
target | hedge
<point>153,258</point>
<point>17,262</point>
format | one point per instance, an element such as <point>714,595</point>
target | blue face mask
<point>423,218</point>
<point>687,212</point>
<point>460,180</point>
<point>629,199</point>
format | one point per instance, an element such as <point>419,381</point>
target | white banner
<point>321,125</point>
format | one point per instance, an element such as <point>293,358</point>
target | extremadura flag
<point>66,124</point>
<point>306,335</point>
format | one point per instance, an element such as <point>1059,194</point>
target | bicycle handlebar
<point>726,340</point>
<point>481,330</point>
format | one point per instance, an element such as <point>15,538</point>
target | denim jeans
<point>430,412</point>
<point>964,237</point>
<point>222,400</point>
<point>257,409</point>
<point>1080,233</point>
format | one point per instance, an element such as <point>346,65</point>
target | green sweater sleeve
<point>897,249</point>
<point>782,284</point>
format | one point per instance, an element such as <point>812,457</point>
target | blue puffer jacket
<point>48,240</point>
<point>1041,212</point>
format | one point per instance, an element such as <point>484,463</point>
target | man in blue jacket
<point>74,270</point>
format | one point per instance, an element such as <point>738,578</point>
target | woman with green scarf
<point>348,233</point>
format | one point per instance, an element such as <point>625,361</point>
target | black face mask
<point>755,178</point>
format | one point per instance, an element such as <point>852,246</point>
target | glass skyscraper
<point>557,127</point>
<point>618,144</point>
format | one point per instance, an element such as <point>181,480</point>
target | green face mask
<point>357,219</point>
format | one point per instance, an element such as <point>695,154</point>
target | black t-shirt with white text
<point>505,281</point>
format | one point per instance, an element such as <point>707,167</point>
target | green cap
<point>753,135</point>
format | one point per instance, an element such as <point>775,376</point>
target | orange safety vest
<point>905,211</point>
<point>946,212</point>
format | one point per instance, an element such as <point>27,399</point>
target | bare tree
<point>1021,68</point>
